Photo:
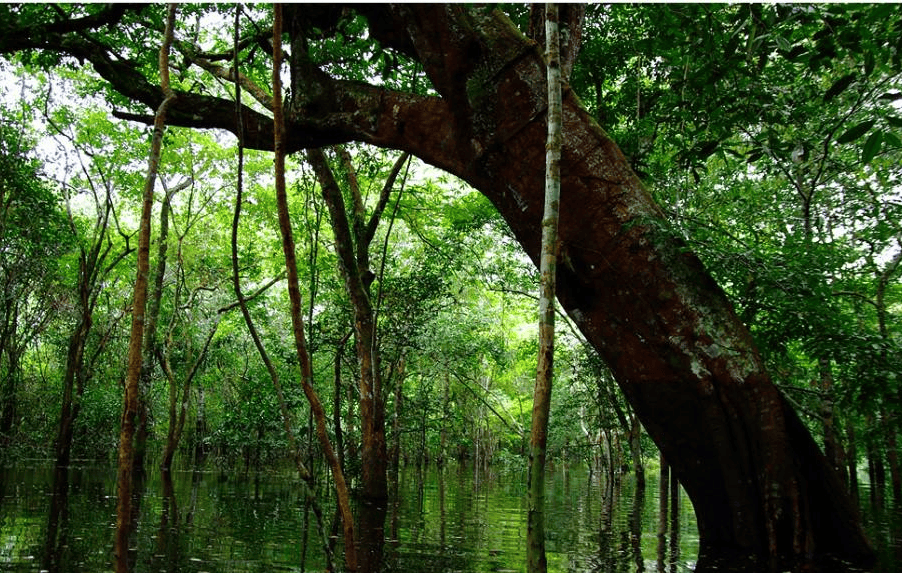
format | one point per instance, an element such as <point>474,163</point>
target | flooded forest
<point>289,287</point>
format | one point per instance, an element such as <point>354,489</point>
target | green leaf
<point>796,51</point>
<point>869,63</point>
<point>891,140</point>
<point>855,132</point>
<point>890,96</point>
<point>783,43</point>
<point>871,147</point>
<point>754,155</point>
<point>894,121</point>
<point>839,86</point>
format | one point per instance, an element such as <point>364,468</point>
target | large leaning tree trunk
<point>760,486</point>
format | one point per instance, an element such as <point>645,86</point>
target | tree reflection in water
<point>57,521</point>
<point>440,520</point>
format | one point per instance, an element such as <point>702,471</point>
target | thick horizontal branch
<point>421,125</point>
<point>26,36</point>
<point>209,112</point>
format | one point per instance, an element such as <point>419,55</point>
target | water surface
<point>444,520</point>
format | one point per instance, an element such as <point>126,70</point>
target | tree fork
<point>372,415</point>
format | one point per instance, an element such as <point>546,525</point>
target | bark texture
<point>373,455</point>
<point>760,486</point>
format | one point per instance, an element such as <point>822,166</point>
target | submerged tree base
<point>719,561</point>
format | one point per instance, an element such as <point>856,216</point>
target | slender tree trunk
<point>178,399</point>
<point>535,542</point>
<point>133,374</point>
<point>663,491</point>
<point>886,419</point>
<point>12,347</point>
<point>635,437</point>
<point>674,521</point>
<point>56,538</point>
<point>8,382</point>
<point>150,334</point>
<point>353,239</point>
<point>876,470</point>
<point>396,423</point>
<point>294,293</point>
<point>350,427</point>
<point>443,436</point>
<point>12,377</point>
<point>852,460</point>
<point>892,458</point>
<point>833,450</point>
<point>374,454</point>
<point>635,527</point>
<point>872,472</point>
<point>336,400</point>
<point>423,455</point>
<point>200,427</point>
<point>73,386</point>
<point>303,471</point>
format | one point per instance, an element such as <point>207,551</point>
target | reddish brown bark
<point>373,455</point>
<point>75,374</point>
<point>354,234</point>
<point>150,330</point>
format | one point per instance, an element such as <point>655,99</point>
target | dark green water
<point>444,520</point>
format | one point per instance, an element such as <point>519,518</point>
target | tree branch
<point>26,35</point>
<point>255,294</point>
<point>516,430</point>
<point>227,74</point>
<point>384,196</point>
